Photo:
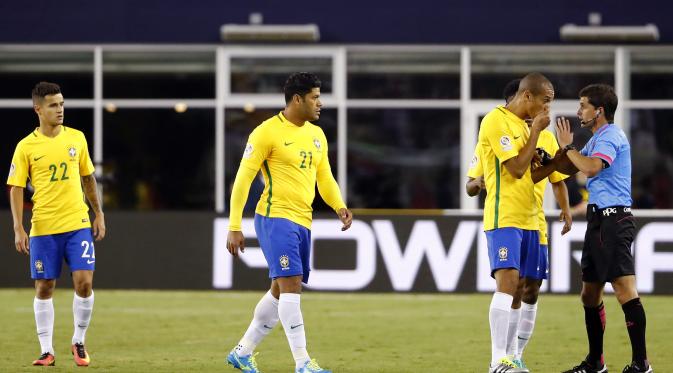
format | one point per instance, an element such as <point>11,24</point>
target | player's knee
<point>45,289</point>
<point>84,289</point>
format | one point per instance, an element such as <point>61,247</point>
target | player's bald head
<point>535,83</point>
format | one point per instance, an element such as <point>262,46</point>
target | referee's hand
<point>346,217</point>
<point>235,241</point>
<point>21,241</point>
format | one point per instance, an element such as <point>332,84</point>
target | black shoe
<point>634,368</point>
<point>585,367</point>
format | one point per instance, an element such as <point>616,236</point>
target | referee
<point>606,255</point>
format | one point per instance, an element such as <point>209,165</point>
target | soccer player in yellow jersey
<point>292,154</point>
<point>524,306</point>
<point>510,213</point>
<point>56,160</point>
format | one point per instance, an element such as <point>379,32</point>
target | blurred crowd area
<point>402,114</point>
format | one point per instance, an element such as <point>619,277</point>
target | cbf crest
<point>502,254</point>
<point>72,151</point>
<point>284,262</point>
<point>317,144</point>
<point>39,267</point>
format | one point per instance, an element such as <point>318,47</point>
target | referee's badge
<point>502,253</point>
<point>284,262</point>
<point>506,143</point>
<point>247,153</point>
<point>39,268</point>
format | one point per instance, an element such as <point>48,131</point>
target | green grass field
<point>180,331</point>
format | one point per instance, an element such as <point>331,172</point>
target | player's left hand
<point>346,217</point>
<point>99,226</point>
<point>568,219</point>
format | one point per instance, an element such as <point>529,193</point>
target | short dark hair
<point>510,90</point>
<point>43,89</point>
<point>601,95</point>
<point>300,84</point>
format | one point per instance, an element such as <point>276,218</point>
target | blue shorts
<point>513,248</point>
<point>47,253</point>
<point>286,246</point>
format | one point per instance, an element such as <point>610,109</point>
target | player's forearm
<point>16,202</point>
<point>90,187</point>
<point>472,187</point>
<point>518,165</point>
<point>539,173</point>
<point>330,192</point>
<point>239,195</point>
<point>590,166</point>
<point>561,193</point>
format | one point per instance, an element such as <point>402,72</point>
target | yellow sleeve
<point>499,137</point>
<point>85,165</point>
<point>257,149</point>
<point>551,146</point>
<point>327,186</point>
<point>476,168</point>
<point>18,170</point>
<point>239,195</point>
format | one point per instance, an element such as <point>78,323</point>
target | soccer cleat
<point>634,368</point>
<point>80,355</point>
<point>521,365</point>
<point>506,365</point>
<point>585,367</point>
<point>46,359</point>
<point>246,364</point>
<point>312,367</point>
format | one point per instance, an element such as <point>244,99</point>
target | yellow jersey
<point>510,202</point>
<point>291,158</point>
<point>54,166</point>
<point>546,141</point>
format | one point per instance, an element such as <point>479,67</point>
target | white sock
<point>81,312</point>
<point>263,321</point>
<point>512,346</point>
<point>289,311</point>
<point>526,326</point>
<point>498,317</point>
<point>44,319</point>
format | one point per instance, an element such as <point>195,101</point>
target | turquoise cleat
<point>521,365</point>
<point>312,367</point>
<point>245,364</point>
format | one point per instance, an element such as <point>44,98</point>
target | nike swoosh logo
<point>37,158</point>
<point>516,137</point>
<point>90,261</point>
<point>295,326</point>
<point>266,326</point>
<point>289,143</point>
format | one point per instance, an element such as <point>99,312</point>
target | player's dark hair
<point>43,89</point>
<point>300,84</point>
<point>510,90</point>
<point>601,95</point>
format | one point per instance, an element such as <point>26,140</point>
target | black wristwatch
<point>570,147</point>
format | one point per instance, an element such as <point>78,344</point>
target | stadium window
<point>569,71</point>
<point>652,158</point>
<point>158,159</point>
<point>403,158</point>
<point>20,71</point>
<point>239,123</point>
<point>268,75</point>
<point>397,75</point>
<point>652,74</point>
<point>159,75</point>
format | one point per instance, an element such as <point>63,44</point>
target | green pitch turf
<point>180,331</point>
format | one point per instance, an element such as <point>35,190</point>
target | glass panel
<point>268,75</point>
<point>403,158</point>
<point>652,74</point>
<point>404,75</point>
<point>239,125</point>
<point>568,70</point>
<point>20,71</point>
<point>21,122</point>
<point>159,74</point>
<point>652,158</point>
<point>158,159</point>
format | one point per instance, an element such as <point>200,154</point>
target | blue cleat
<point>520,364</point>
<point>245,364</point>
<point>312,367</point>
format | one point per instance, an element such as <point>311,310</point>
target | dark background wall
<point>345,21</point>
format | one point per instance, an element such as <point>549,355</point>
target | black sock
<point>594,318</point>
<point>634,313</point>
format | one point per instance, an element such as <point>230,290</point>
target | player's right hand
<point>21,241</point>
<point>482,183</point>
<point>541,120</point>
<point>235,241</point>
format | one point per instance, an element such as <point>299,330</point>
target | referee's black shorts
<point>606,254</point>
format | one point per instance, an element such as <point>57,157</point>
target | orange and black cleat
<point>80,355</point>
<point>46,359</point>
